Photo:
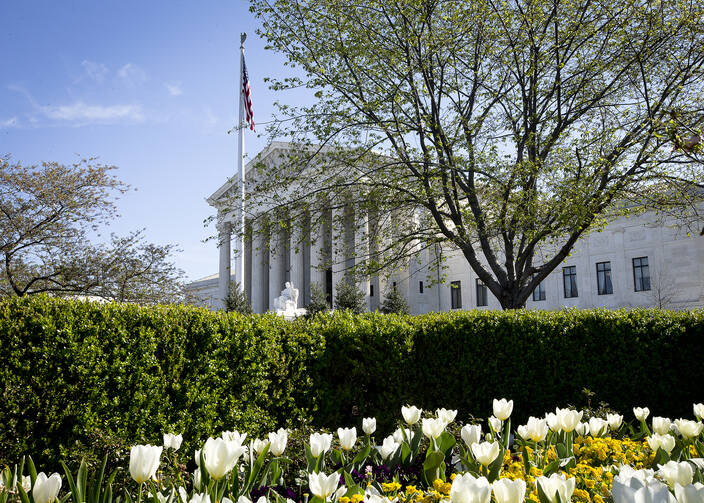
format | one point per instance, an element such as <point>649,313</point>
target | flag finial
<point>243,37</point>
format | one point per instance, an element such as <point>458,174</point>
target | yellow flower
<point>452,477</point>
<point>411,489</point>
<point>390,487</point>
<point>344,499</point>
<point>598,499</point>
<point>357,498</point>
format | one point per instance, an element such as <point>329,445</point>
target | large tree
<point>47,215</point>
<point>506,130</point>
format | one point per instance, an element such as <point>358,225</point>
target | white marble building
<point>633,262</point>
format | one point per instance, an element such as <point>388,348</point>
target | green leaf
<point>434,461</point>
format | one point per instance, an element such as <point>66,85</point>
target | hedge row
<point>72,372</point>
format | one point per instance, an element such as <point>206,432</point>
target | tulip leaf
<point>541,494</point>
<point>562,451</point>
<point>32,469</point>
<point>415,442</point>
<point>256,468</point>
<point>350,483</point>
<point>551,468</point>
<point>526,460</point>
<point>700,448</point>
<point>23,495</point>
<point>434,461</point>
<point>495,467</point>
<point>71,483</point>
<point>445,443</point>
<point>361,457</point>
<point>404,454</point>
<point>312,462</point>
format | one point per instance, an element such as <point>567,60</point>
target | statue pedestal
<point>286,304</point>
<point>292,314</point>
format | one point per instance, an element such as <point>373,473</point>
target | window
<point>420,287</point>
<point>603,278</point>
<point>371,290</point>
<point>539,292</point>
<point>394,286</point>
<point>455,295</point>
<point>641,274</point>
<point>569,280</point>
<point>481,294</point>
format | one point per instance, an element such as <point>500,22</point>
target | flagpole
<point>240,161</point>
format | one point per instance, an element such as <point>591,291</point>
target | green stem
<point>139,494</point>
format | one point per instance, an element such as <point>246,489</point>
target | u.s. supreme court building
<point>641,261</point>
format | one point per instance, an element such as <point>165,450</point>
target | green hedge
<point>72,372</point>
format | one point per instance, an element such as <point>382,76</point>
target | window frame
<point>640,268</point>
<point>541,291</point>
<point>456,294</point>
<point>605,274</point>
<point>570,272</point>
<point>482,293</point>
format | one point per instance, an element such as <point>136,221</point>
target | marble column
<point>361,251</point>
<point>277,265</point>
<point>318,261</point>
<point>297,244</point>
<point>339,247</point>
<point>260,268</point>
<point>225,230</point>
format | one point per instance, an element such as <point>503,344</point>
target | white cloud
<point>132,75</point>
<point>95,71</point>
<point>82,113</point>
<point>8,123</point>
<point>174,89</point>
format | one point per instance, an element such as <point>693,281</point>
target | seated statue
<point>288,300</point>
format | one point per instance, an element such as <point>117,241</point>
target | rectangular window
<point>394,286</point>
<point>420,287</point>
<point>641,274</point>
<point>482,295</point>
<point>455,295</point>
<point>569,280</point>
<point>603,278</point>
<point>539,292</point>
<point>371,290</point>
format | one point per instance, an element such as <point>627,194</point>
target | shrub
<point>395,303</point>
<point>318,301</point>
<point>237,300</point>
<point>349,297</point>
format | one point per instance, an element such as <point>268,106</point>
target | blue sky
<point>150,87</point>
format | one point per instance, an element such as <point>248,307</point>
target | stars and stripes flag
<point>247,97</point>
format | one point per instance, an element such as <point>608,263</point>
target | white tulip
<point>233,436</point>
<point>469,489</point>
<point>322,485</point>
<point>485,453</point>
<point>495,423</point>
<point>666,442</point>
<point>144,462</point>
<point>698,410</point>
<point>369,425</point>
<point>641,413</point>
<point>446,415</point>
<point>637,491</point>
<point>320,443</point>
<point>196,479</point>
<point>200,498</point>
<point>615,421</point>
<point>348,436</point>
<point>183,495</point>
<point>26,483</point>
<point>551,419</point>
<point>626,473</point>
<point>568,419</point>
<point>433,428</point>
<point>226,500</point>
<point>582,429</point>
<point>537,429</point>
<point>503,408</point>
<point>691,493</point>
<point>259,444</point>
<point>46,489</point>
<point>220,456</point>
<point>556,484</point>
<point>471,434</point>
<point>399,434</point>
<point>388,447</point>
<point>661,425</point>
<point>196,456</point>
<point>411,414</point>
<point>597,426</point>
<point>277,441</point>
<point>522,432</point>
<point>509,491</point>
<point>172,441</point>
<point>244,499</point>
<point>676,473</point>
<point>688,428</point>
<point>375,498</point>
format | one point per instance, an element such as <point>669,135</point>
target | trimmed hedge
<point>71,370</point>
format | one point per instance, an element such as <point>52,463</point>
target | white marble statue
<point>287,303</point>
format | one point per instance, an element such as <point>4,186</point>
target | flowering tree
<point>504,130</point>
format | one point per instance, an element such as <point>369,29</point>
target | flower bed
<point>557,458</point>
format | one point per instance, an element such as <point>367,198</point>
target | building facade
<point>639,261</point>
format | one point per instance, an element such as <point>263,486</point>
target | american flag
<point>247,97</point>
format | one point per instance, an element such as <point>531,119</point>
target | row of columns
<point>314,250</point>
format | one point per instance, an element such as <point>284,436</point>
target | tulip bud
<point>471,434</point>
<point>661,425</point>
<point>503,408</point>
<point>556,484</point>
<point>641,413</point>
<point>676,473</point>
<point>666,442</point>
<point>691,493</point>
<point>411,414</point>
<point>400,432</point>
<point>495,423</point>
<point>433,428</point>
<point>687,428</point>
<point>320,443</point>
<point>322,485</point>
<point>551,419</point>
<point>183,495</point>
<point>220,456</point>
<point>200,498</point>
<point>537,429</point>
<point>235,437</point>
<point>278,441</point>
<point>369,425</point>
<point>522,432</point>
<point>348,437</point>
<point>389,447</point>
<point>597,426</point>
<point>196,456</point>
<point>509,491</point>
<point>615,421</point>
<point>196,479</point>
<point>259,444</point>
<point>144,462</point>
<point>468,489</point>
<point>46,489</point>
<point>172,441</point>
<point>447,416</point>
<point>582,429</point>
<point>568,419</point>
<point>699,410</point>
<point>485,453</point>
<point>26,483</point>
